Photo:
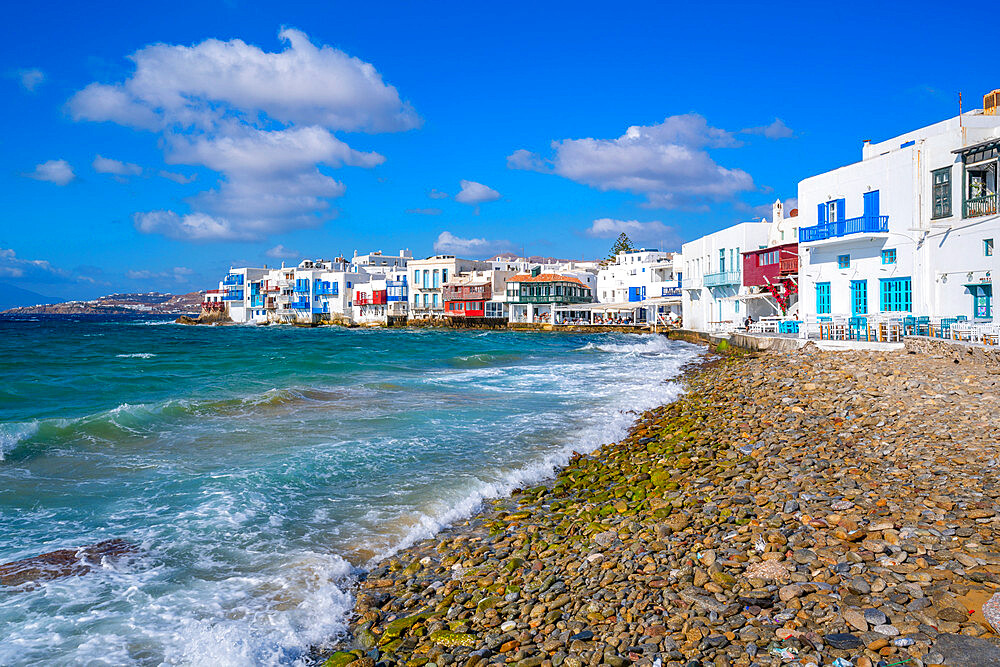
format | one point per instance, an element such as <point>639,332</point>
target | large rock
<point>965,651</point>
<point>64,562</point>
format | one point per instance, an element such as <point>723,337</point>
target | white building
<point>375,263</point>
<point>644,278</point>
<point>713,276</point>
<point>426,278</point>
<point>381,298</point>
<point>909,229</point>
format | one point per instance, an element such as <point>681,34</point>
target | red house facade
<point>466,299</point>
<point>769,265</point>
<point>774,270</point>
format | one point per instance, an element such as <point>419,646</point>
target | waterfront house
<point>908,230</point>
<point>532,297</point>
<point>477,294</point>
<point>770,273</point>
<point>427,278</point>
<point>712,283</point>
<point>645,283</point>
<point>382,299</point>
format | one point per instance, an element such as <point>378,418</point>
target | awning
<point>978,148</point>
<point>748,297</point>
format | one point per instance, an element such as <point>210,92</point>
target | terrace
<point>830,230</point>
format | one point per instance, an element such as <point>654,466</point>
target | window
<point>843,261</point>
<point>437,278</point>
<point>982,301</point>
<point>767,258</point>
<point>896,295</point>
<point>859,297</point>
<point>823,298</point>
<point>988,247</point>
<point>831,211</point>
<point>435,301</point>
<point>889,256</point>
<point>941,192</point>
<point>444,275</point>
<point>722,261</point>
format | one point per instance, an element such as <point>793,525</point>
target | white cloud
<point>54,171</point>
<point>776,130</point>
<point>106,165</point>
<point>303,84</point>
<point>35,270</point>
<point>668,163</point>
<point>264,121</point>
<point>281,252</point>
<point>179,274</point>
<point>476,193</point>
<point>190,227</point>
<point>437,194</point>
<point>178,178</point>
<point>424,211</point>
<point>31,78</point>
<point>454,245</point>
<point>525,159</point>
<point>652,231</point>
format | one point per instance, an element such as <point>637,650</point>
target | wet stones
<point>856,520</point>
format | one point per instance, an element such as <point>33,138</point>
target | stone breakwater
<point>809,508</point>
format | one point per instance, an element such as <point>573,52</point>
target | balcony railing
<point>211,306</point>
<point>550,298</point>
<point>300,304</point>
<point>233,296</point>
<point>478,293</point>
<point>691,283</point>
<point>332,290</point>
<point>978,206</point>
<point>670,291</point>
<point>722,278</point>
<point>233,279</point>
<point>789,265</point>
<point>829,230</point>
<point>301,289</point>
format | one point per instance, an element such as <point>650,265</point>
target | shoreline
<point>694,537</point>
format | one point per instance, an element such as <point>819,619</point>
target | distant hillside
<point>12,297</point>
<point>152,303</point>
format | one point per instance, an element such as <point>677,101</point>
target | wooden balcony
<point>789,265</point>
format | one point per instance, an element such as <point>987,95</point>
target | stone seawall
<point>954,351</point>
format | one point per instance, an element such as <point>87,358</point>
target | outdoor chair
<point>858,329</point>
<point>923,326</point>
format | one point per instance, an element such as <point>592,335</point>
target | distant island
<point>150,303</point>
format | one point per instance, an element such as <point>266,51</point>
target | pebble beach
<point>805,507</point>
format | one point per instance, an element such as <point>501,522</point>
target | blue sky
<point>151,146</point>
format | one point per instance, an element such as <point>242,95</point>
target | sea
<point>258,471</point>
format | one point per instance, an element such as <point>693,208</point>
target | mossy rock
<point>449,638</point>
<point>340,659</point>
<point>400,625</point>
<point>723,346</point>
<point>513,564</point>
<point>364,637</point>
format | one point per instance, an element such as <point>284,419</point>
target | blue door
<point>859,297</point>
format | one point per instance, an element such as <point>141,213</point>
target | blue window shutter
<point>821,213</point>
<point>841,211</point>
<point>871,204</point>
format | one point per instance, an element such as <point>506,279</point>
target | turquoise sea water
<point>257,469</point>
